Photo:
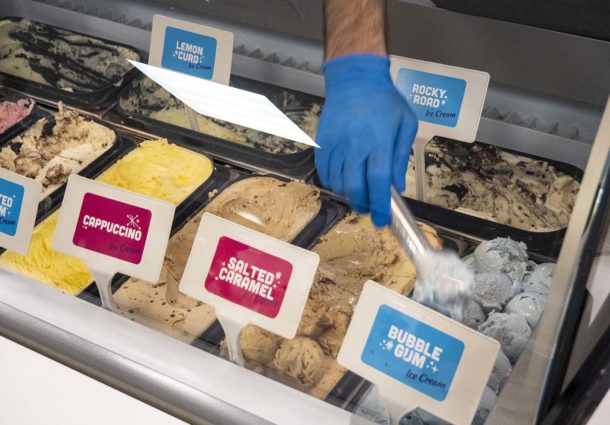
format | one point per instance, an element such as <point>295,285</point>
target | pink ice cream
<point>13,112</point>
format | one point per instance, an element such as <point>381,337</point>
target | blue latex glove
<point>366,133</point>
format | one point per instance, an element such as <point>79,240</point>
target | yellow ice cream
<point>160,169</point>
<point>47,265</point>
<point>156,168</point>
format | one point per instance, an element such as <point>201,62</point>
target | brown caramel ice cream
<point>265,204</point>
<point>353,252</point>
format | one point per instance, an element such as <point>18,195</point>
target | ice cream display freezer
<point>523,206</point>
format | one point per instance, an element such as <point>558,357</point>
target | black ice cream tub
<point>103,90</point>
<point>298,163</point>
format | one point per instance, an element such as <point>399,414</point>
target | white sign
<point>193,49</point>
<point>227,103</point>
<point>447,101</point>
<point>417,357</point>
<point>113,230</point>
<point>248,277</point>
<point>19,197</point>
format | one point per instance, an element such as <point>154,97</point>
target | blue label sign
<point>189,53</point>
<point>436,99</point>
<point>11,197</point>
<point>412,352</point>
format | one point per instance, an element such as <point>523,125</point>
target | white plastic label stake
<point>447,101</point>
<point>249,278</point>
<point>227,103</point>
<point>193,49</point>
<point>417,357</point>
<point>19,197</point>
<point>113,230</point>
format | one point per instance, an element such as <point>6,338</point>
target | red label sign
<point>249,277</point>
<point>112,228</point>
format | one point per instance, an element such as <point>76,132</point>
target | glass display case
<point>529,192</point>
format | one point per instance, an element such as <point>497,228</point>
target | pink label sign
<point>112,228</point>
<point>248,276</point>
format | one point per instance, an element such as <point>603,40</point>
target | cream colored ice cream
<point>56,147</point>
<point>155,168</point>
<point>149,100</point>
<point>57,57</point>
<point>265,204</point>
<point>488,182</point>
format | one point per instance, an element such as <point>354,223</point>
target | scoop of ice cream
<point>492,291</point>
<point>542,273</point>
<point>331,339</point>
<point>527,305</point>
<point>502,255</point>
<point>473,315</point>
<point>510,330</point>
<point>488,399</point>
<point>314,320</point>
<point>539,289</point>
<point>300,358</point>
<point>13,112</point>
<point>258,345</point>
<point>500,373</point>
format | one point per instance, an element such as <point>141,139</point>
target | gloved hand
<point>366,133</point>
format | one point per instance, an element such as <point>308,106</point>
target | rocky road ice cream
<point>490,183</point>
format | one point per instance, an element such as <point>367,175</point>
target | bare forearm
<point>354,26</point>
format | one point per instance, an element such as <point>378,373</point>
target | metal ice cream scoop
<point>443,280</point>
